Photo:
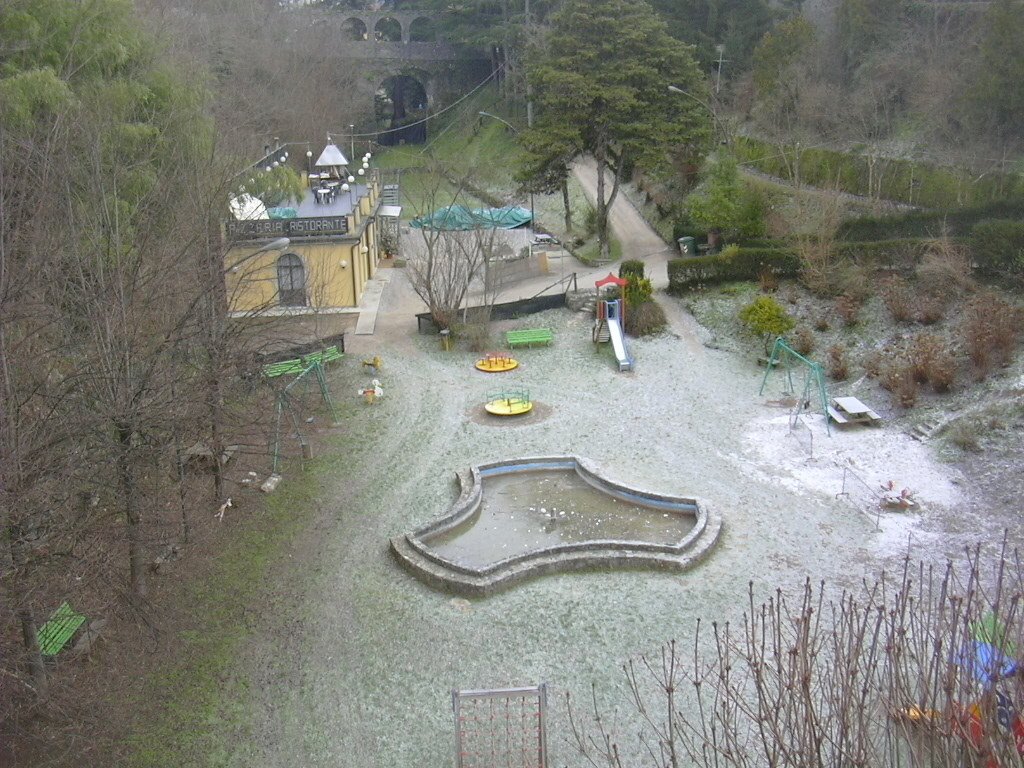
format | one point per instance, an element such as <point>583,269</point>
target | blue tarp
<point>986,663</point>
<point>459,217</point>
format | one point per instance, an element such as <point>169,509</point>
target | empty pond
<point>525,512</point>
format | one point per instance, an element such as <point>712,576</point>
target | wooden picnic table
<point>845,410</point>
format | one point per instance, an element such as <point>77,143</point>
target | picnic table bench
<point>847,410</point>
<point>528,337</point>
<point>58,631</point>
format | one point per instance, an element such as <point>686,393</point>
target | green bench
<point>325,356</point>
<point>529,337</point>
<point>58,631</point>
<point>283,368</point>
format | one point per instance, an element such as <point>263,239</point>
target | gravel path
<point>356,660</point>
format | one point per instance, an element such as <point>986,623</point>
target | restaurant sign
<point>317,226</point>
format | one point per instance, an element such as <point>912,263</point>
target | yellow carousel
<point>496,362</point>
<point>509,403</point>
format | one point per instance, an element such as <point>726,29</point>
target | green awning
<point>459,217</point>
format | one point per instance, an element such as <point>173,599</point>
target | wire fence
<point>801,435</point>
<point>861,496</point>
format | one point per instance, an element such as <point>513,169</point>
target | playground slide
<point>619,345</point>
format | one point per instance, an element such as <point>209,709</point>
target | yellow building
<point>332,248</point>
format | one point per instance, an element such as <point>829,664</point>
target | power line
<point>425,119</point>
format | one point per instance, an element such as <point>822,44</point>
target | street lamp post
<point>533,222</point>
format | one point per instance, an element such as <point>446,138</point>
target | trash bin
<point>687,246</point>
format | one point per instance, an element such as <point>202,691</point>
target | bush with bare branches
<point>990,330</point>
<point>884,676</point>
<point>838,363</point>
<point>898,299</point>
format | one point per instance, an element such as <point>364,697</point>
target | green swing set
<point>814,379</point>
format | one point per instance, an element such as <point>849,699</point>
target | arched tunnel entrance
<point>401,106</point>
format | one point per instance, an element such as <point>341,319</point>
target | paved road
<point>639,240</point>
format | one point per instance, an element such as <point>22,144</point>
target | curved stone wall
<point>414,553</point>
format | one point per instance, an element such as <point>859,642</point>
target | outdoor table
<point>850,409</point>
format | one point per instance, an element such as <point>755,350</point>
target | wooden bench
<point>283,368</point>
<point>529,337</point>
<point>55,634</point>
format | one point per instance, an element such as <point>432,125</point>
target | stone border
<point>416,556</point>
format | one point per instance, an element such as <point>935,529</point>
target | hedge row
<point>741,264</point>
<point>924,184</point>
<point>957,223</point>
<point>750,263</point>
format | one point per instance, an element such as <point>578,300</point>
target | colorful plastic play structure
<point>990,726</point>
<point>608,323</point>
<point>496,362</point>
<point>513,402</point>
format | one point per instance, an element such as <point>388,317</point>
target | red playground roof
<point>611,280</point>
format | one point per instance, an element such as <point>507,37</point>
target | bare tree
<point>911,670</point>
<point>443,268</point>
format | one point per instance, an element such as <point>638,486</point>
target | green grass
<point>198,701</point>
<point>590,252</point>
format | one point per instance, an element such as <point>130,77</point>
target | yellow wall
<point>252,279</point>
<point>252,282</point>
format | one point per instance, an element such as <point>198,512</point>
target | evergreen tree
<point>601,84</point>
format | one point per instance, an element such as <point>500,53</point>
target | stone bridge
<point>382,25</point>
<point>390,43</point>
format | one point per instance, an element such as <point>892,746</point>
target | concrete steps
<point>924,431</point>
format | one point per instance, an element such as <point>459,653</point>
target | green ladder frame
<point>782,351</point>
<point>284,401</point>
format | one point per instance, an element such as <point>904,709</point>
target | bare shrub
<point>965,434</point>
<point>790,295</point>
<point>819,678</point>
<point>872,363</point>
<point>803,340</point>
<point>898,378</point>
<point>821,323</point>
<point>990,329</point>
<point>838,363</point>
<point>817,251</point>
<point>768,281</point>
<point>855,282</point>
<point>945,269</point>
<point>924,348</point>
<point>930,309</point>
<point>848,309</point>
<point>645,319</point>
<point>898,299</point>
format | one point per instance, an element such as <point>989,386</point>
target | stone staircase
<point>926,429</point>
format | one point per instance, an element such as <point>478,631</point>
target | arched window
<point>291,281</point>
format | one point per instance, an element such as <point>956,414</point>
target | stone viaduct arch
<point>374,23</point>
<point>389,44</point>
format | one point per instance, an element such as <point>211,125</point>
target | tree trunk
<point>602,212</point>
<point>133,515</point>
<point>565,203</point>
<point>216,353</point>
<point>36,667</point>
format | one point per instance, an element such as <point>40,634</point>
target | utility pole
<point>718,77</point>
<point>529,90</point>
<point>352,144</point>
